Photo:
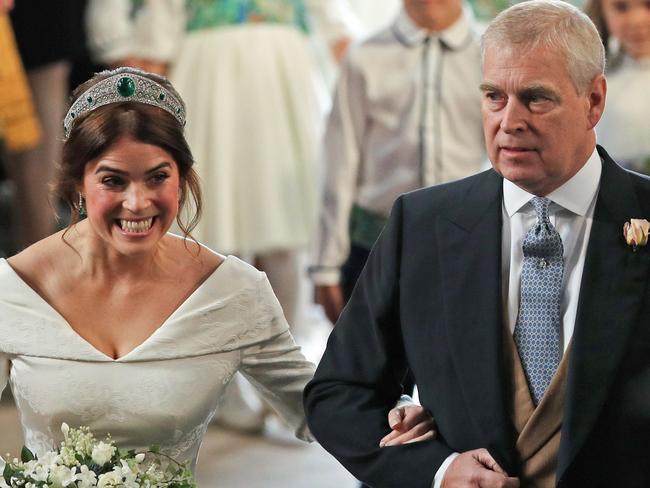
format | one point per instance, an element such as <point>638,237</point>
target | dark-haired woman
<point>624,26</point>
<point>118,325</point>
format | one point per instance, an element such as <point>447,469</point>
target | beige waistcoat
<point>538,429</point>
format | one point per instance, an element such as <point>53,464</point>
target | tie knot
<point>541,208</point>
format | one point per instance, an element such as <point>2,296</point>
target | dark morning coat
<point>430,300</point>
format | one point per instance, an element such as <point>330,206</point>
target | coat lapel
<point>611,295</point>
<point>470,256</point>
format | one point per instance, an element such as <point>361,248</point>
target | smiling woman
<point>131,194</point>
<point>94,132</point>
<point>120,326</point>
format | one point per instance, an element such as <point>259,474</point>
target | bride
<point>118,325</point>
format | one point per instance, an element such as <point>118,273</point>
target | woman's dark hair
<point>96,131</point>
<point>594,9</point>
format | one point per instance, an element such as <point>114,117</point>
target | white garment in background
<point>253,114</point>
<point>624,129</point>
<point>253,120</point>
<point>407,114</point>
<point>166,390</point>
<point>374,15</point>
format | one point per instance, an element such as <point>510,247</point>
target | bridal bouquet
<point>84,462</point>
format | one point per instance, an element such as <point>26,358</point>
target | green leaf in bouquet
<point>8,473</point>
<point>26,455</point>
<point>155,449</point>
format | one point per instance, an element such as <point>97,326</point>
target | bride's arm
<point>277,368</point>
<point>4,372</point>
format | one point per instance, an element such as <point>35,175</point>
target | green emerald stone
<point>161,97</point>
<point>89,100</point>
<point>126,86</point>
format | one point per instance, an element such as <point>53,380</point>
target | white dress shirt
<point>571,212</point>
<point>407,114</point>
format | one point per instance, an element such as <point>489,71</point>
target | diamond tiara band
<point>124,87</point>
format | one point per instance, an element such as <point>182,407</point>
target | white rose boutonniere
<point>636,232</point>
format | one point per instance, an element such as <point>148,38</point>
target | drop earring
<point>81,207</point>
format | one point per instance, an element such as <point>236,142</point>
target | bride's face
<point>132,192</point>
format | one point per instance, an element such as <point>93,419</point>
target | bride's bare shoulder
<point>193,255</point>
<point>43,258</point>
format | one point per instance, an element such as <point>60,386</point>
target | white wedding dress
<point>165,391</point>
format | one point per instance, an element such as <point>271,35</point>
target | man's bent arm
<point>359,379</point>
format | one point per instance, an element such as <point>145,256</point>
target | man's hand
<point>339,48</point>
<point>331,298</point>
<point>410,423</point>
<point>477,469</point>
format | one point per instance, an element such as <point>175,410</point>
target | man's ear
<point>596,99</point>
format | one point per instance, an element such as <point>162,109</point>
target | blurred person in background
<point>624,130</point>
<point>49,37</point>
<point>19,134</point>
<point>245,71</point>
<point>406,114</point>
<point>375,14</point>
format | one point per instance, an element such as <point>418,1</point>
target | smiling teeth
<point>136,225</point>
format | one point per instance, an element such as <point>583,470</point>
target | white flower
<point>128,476</point>
<point>139,457</point>
<point>39,472</point>
<point>62,476</point>
<point>102,453</point>
<point>110,479</point>
<point>86,478</point>
<point>50,459</point>
<point>65,429</point>
<point>69,456</point>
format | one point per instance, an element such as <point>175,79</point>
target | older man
<point>512,295</point>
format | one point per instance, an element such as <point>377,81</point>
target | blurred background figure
<point>407,114</point>
<point>246,72</point>
<point>624,129</point>
<point>19,134</point>
<point>255,104</point>
<point>374,14</point>
<point>49,37</point>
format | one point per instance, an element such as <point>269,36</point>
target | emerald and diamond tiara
<point>124,87</point>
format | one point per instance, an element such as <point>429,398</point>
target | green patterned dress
<point>246,73</point>
<point>205,14</point>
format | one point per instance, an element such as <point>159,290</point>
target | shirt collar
<point>575,195</point>
<point>454,37</point>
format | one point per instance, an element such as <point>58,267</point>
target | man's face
<point>538,129</point>
<point>433,15</point>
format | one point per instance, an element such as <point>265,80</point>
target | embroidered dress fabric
<point>166,390</point>
<point>208,14</point>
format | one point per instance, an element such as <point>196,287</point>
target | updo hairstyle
<point>95,131</point>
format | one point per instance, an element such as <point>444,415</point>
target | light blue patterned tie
<point>537,331</point>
